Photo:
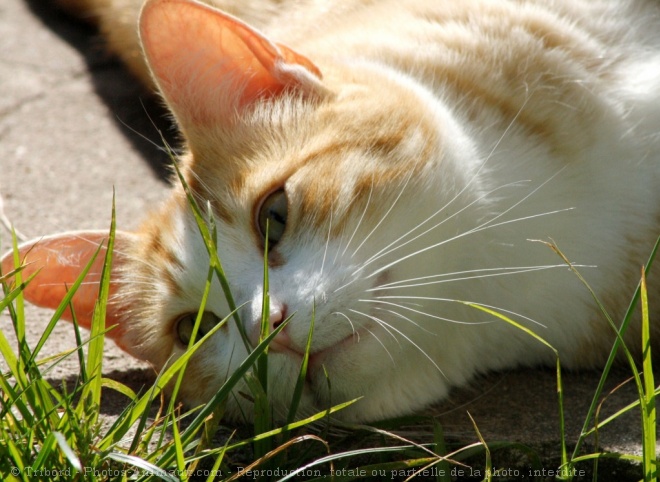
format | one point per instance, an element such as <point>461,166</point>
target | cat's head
<point>346,163</point>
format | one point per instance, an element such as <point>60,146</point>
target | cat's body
<point>407,162</point>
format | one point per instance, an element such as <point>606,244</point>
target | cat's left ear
<point>212,67</point>
<point>57,261</point>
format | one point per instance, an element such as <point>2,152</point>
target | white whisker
<point>431,298</point>
<point>364,211</point>
<point>534,191</point>
<point>489,273</point>
<point>4,220</point>
<point>396,313</point>
<point>480,228</point>
<point>327,241</point>
<point>350,322</point>
<point>357,333</point>
<point>380,343</point>
<point>379,322</point>
<point>346,284</point>
<point>387,325</point>
<point>403,188</point>
<point>436,317</point>
<point>386,250</point>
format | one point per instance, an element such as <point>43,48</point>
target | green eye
<point>273,211</point>
<point>185,324</point>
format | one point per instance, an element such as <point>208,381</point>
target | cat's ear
<point>211,67</point>
<point>59,260</point>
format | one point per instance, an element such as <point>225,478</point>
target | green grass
<point>52,432</point>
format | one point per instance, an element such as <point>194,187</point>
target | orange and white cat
<point>406,156</point>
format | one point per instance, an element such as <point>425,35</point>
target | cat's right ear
<point>212,67</point>
<point>59,260</point>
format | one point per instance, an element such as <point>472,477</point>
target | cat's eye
<point>272,216</point>
<point>186,323</point>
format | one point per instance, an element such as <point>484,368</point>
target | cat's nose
<point>277,316</point>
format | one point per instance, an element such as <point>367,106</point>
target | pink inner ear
<point>211,66</point>
<point>59,260</point>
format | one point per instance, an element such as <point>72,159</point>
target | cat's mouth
<point>317,359</point>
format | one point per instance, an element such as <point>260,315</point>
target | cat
<point>401,158</point>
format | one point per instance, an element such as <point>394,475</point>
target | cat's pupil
<point>186,323</point>
<point>272,216</point>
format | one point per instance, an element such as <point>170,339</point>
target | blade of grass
<point>47,448</point>
<point>179,456</point>
<point>218,462</point>
<point>142,464</point>
<point>22,367</point>
<point>120,429</point>
<point>273,454</point>
<point>68,452</point>
<point>91,395</point>
<point>211,249</point>
<point>302,375</point>
<point>82,366</point>
<point>224,391</point>
<point>295,425</point>
<point>13,294</point>
<point>262,419</point>
<point>259,385</point>
<point>489,460</point>
<point>560,385</point>
<point>66,303</point>
<point>19,310</point>
<point>146,400</point>
<point>381,470</point>
<point>170,413</point>
<point>648,400</point>
<point>612,356</point>
<point>441,450</point>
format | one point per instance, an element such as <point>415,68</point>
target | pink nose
<point>277,316</point>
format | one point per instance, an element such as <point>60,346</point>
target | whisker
<point>350,322</point>
<point>129,282</point>
<point>347,284</point>
<point>482,227</point>
<point>380,343</point>
<point>166,149</point>
<point>431,298</point>
<point>364,211</point>
<point>387,325</point>
<point>490,273</point>
<point>369,331</point>
<point>385,251</point>
<point>419,312</point>
<point>327,241</point>
<point>4,220</point>
<point>403,188</point>
<point>506,131</point>
<point>534,191</point>
<point>396,313</point>
<point>205,186</point>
